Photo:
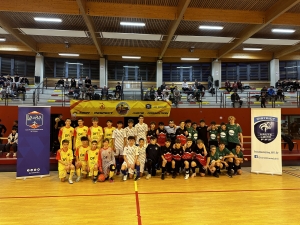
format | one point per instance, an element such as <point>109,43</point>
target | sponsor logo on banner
<point>265,128</point>
<point>34,120</point>
<point>122,108</point>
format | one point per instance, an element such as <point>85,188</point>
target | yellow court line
<point>50,100</point>
<point>57,90</point>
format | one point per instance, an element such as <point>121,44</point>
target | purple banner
<point>33,142</point>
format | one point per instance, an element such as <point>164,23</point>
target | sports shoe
<point>216,175</point>
<point>148,176</point>
<point>186,176</point>
<point>174,175</point>
<point>118,173</point>
<point>136,178</point>
<point>193,175</point>
<point>229,174</point>
<point>162,176</point>
<point>125,177</point>
<point>234,173</point>
<point>70,181</point>
<point>94,180</point>
<point>111,180</point>
<point>15,155</point>
<point>78,179</point>
<point>7,155</point>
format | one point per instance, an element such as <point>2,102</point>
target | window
<point>21,65</point>
<point>289,69</point>
<point>290,125</point>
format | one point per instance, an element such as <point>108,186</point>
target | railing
<point>38,90</point>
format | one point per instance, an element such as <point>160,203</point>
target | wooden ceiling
<point>241,19</point>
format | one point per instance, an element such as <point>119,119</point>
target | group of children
<point>102,153</point>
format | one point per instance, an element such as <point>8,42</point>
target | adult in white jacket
<point>12,143</point>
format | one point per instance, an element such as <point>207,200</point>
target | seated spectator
<point>80,82</point>
<point>73,83</point>
<point>67,84</point>
<point>172,87</point>
<point>2,80</point>
<point>16,78</point>
<point>90,92</point>
<point>196,83</point>
<point>163,86</point>
<point>14,89</point>
<point>236,98</point>
<point>76,92</point>
<point>185,86</point>
<point>278,84</point>
<point>271,93</point>
<point>166,96</point>
<point>280,94</point>
<point>104,93</point>
<point>88,82</point>
<point>118,90</point>
<point>3,93</point>
<point>2,131</point>
<point>9,78</point>
<point>21,89</point>
<point>152,93</point>
<point>60,82</point>
<point>12,142</point>
<point>159,94</point>
<point>228,86</point>
<point>166,91</point>
<point>177,94</point>
<point>83,92</point>
<point>240,85</point>
<point>200,89</point>
<point>234,86</point>
<point>24,80</point>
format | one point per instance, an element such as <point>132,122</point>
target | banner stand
<point>33,142</point>
<point>29,177</point>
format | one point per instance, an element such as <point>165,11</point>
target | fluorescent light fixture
<point>68,54</point>
<point>240,57</point>
<point>2,39</point>
<point>184,67</point>
<point>131,57</point>
<point>74,63</point>
<point>252,49</point>
<point>191,59</point>
<point>204,27</point>
<point>131,67</point>
<point>43,19</point>
<point>283,30</point>
<point>137,24</point>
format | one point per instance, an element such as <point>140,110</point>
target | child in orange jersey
<point>81,164</point>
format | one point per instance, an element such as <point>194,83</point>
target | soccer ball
<point>57,119</point>
<point>101,177</point>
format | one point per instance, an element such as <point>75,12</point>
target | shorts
<point>199,165</point>
<point>130,171</point>
<point>91,168</point>
<point>142,161</point>
<point>189,161</point>
<point>106,166</point>
<point>62,173</point>
<point>235,167</point>
<point>169,167</point>
<point>119,151</point>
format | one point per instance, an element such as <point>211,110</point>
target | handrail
<point>37,91</point>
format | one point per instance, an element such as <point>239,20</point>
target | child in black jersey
<point>187,157</point>
<point>166,155</point>
<point>177,153</point>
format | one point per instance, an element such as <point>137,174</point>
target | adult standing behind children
<point>235,135</point>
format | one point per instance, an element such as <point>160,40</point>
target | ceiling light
<point>184,67</point>
<point>131,57</point>
<point>43,19</point>
<point>203,27</point>
<point>74,63</point>
<point>68,54</point>
<point>194,59</point>
<point>2,39</point>
<point>137,24</point>
<point>131,66</point>
<point>283,30</point>
<point>252,49</point>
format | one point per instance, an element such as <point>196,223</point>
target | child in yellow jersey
<point>66,133</point>
<point>80,131</point>
<point>92,159</point>
<point>81,164</point>
<point>64,157</point>
<point>95,133</point>
<point>108,132</point>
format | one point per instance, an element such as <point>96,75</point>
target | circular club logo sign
<point>122,108</point>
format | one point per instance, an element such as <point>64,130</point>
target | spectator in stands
<point>60,82</point>
<point>177,94</point>
<point>118,90</point>
<point>166,92</point>
<point>200,89</point>
<point>280,94</point>
<point>236,98</point>
<point>73,83</point>
<point>240,85</point>
<point>284,85</point>
<point>228,86</point>
<point>234,86</point>
<point>196,83</point>
<point>83,91</point>
<point>14,89</point>
<point>278,84</point>
<point>163,86</point>
<point>12,142</point>
<point>271,93</point>
<point>263,99</point>
<point>90,92</point>
<point>9,78</point>
<point>76,92</point>
<point>172,87</point>
<point>67,84</point>
<point>3,92</point>
<point>16,78</point>
<point>210,81</point>
<point>87,82</point>
<point>15,125</point>
<point>294,129</point>
<point>159,94</point>
<point>2,131</point>
<point>2,80</point>
<point>152,93</point>
<point>24,80</point>
<point>104,93</point>
<point>264,89</point>
<point>80,82</point>
<point>185,86</point>
<point>21,89</point>
<point>296,85</point>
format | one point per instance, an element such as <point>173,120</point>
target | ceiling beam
<point>272,13</point>
<point>26,40</point>
<point>90,24</point>
<point>182,6</point>
<point>287,51</point>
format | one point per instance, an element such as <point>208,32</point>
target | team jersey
<point>131,152</point>
<point>189,130</point>
<point>188,153</point>
<point>118,136</point>
<point>65,156</point>
<point>177,153</point>
<point>108,134</point>
<point>202,133</point>
<point>161,137</point>
<point>106,158</point>
<point>141,130</point>
<point>180,135</point>
<point>214,157</point>
<point>223,153</point>
<point>223,136</point>
<point>141,154</point>
<point>80,132</point>
<point>213,134</point>
<point>193,134</point>
<point>92,157</point>
<point>166,152</point>
<point>81,152</point>
<point>153,152</point>
<point>66,133</point>
<point>238,154</point>
<point>130,131</point>
<point>199,155</point>
<point>233,133</point>
<point>95,133</point>
<point>151,133</point>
